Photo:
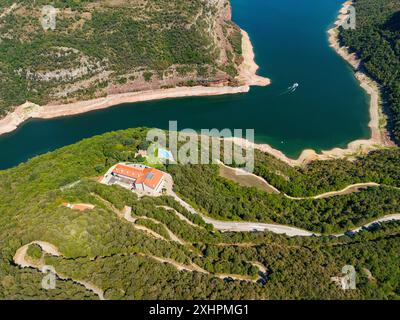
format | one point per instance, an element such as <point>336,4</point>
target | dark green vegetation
<point>152,225</point>
<point>318,177</point>
<point>377,41</point>
<point>226,200</point>
<point>284,119</point>
<point>100,247</point>
<point>244,180</point>
<point>101,47</point>
<point>34,252</point>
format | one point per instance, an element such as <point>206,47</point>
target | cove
<point>328,109</point>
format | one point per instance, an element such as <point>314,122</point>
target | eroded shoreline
<point>247,75</point>
<point>248,69</point>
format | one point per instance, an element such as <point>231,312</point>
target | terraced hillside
<point>124,247</point>
<point>113,46</point>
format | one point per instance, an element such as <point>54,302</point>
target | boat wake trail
<point>290,89</point>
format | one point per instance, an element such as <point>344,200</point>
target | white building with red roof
<point>136,177</point>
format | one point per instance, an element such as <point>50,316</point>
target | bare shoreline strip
<point>248,69</point>
<point>28,110</point>
<point>248,74</point>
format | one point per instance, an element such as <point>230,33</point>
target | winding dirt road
<point>195,268</point>
<point>289,231</point>
<point>349,189</point>
<point>20,259</point>
<point>245,226</point>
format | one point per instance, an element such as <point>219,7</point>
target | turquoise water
<point>329,109</point>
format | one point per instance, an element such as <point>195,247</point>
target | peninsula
<point>83,82</point>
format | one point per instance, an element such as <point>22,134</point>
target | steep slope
<point>376,42</point>
<point>120,248</point>
<point>98,48</point>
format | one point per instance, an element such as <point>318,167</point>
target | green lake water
<point>329,109</point>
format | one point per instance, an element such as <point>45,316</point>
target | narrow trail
<point>170,233</point>
<point>260,266</point>
<point>390,217</point>
<point>195,268</point>
<point>240,245</point>
<point>70,185</point>
<point>127,213</point>
<point>245,226</point>
<point>7,11</point>
<point>248,226</point>
<point>180,216</point>
<point>179,266</point>
<point>20,259</point>
<point>174,237</point>
<point>347,190</point>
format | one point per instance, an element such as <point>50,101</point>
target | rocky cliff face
<point>94,48</point>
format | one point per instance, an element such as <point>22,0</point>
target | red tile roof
<point>147,176</point>
<point>79,206</point>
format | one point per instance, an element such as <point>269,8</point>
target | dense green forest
<point>225,200</point>
<point>381,166</point>
<point>98,46</point>
<point>100,247</point>
<point>376,40</point>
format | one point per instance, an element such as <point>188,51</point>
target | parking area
<point>123,182</point>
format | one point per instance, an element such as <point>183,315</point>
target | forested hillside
<point>104,249</point>
<point>153,248</point>
<point>376,40</point>
<point>105,47</point>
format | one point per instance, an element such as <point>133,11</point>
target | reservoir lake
<point>328,109</point>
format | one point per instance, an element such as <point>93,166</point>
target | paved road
<point>244,226</point>
<point>390,217</point>
<point>282,229</point>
